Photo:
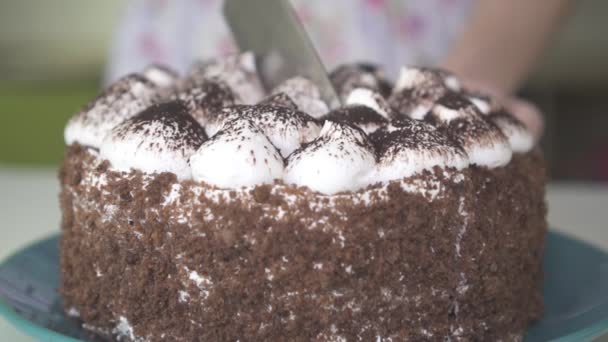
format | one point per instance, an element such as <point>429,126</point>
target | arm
<point>500,45</point>
<point>503,40</point>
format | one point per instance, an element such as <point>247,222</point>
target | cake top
<point>217,125</point>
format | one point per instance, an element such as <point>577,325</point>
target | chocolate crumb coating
<point>460,261</point>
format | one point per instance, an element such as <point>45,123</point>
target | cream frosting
<point>340,159</point>
<point>428,122</point>
<point>239,155</point>
<point>160,139</point>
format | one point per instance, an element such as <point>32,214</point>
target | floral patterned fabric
<point>388,32</point>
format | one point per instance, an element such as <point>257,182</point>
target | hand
<point>528,113</point>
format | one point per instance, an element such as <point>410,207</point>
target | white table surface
<point>29,210</point>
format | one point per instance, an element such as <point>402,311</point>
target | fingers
<point>528,113</point>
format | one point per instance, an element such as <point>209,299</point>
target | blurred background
<point>52,59</point>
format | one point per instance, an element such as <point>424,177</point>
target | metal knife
<point>271,30</point>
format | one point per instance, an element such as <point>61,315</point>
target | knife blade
<point>272,31</point>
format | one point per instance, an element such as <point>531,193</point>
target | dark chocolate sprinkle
<point>347,77</point>
<point>344,133</point>
<point>119,96</point>
<point>185,134</point>
<point>407,133</point>
<point>270,116</point>
<point>279,100</point>
<point>502,114</point>
<point>454,100</point>
<point>356,115</point>
<point>206,100</point>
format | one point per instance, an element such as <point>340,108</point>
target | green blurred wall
<point>51,59</point>
<point>32,117</point>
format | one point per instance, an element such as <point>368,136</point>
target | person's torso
<point>390,33</point>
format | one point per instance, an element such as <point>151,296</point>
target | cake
<point>201,207</point>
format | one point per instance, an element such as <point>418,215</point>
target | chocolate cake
<point>203,208</point>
